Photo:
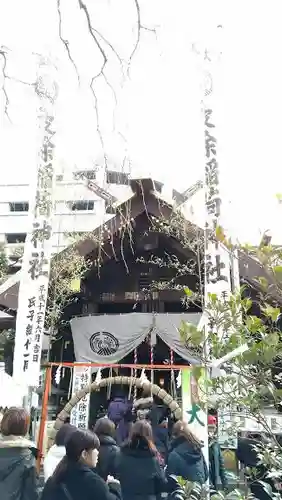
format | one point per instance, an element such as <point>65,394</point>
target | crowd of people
<point>141,463</point>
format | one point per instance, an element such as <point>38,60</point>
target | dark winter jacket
<point>18,478</point>
<point>161,440</point>
<point>248,456</point>
<point>124,425</point>
<point>122,431</point>
<point>117,409</point>
<point>246,452</point>
<point>140,474</point>
<point>79,482</point>
<point>108,457</point>
<point>217,470</point>
<point>186,461</point>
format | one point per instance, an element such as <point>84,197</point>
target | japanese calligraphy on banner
<point>38,246</point>
<point>218,278</point>
<point>227,431</point>
<point>192,399</point>
<point>80,413</point>
<point>217,260</point>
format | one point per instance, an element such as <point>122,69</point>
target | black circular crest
<point>104,343</point>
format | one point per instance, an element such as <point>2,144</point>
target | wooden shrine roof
<point>146,198</point>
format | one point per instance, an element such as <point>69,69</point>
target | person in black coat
<point>18,476</point>
<point>139,472</point>
<point>247,454</point>
<point>109,451</point>
<point>75,477</point>
<point>186,458</point>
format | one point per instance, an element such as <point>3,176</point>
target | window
<point>19,206</point>
<point>15,237</point>
<point>82,205</point>
<point>114,177</point>
<point>85,174</point>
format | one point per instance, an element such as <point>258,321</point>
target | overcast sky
<point>157,121</point>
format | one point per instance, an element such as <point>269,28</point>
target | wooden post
<point>44,414</point>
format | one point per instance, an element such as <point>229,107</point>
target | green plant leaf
<point>212,297</point>
<point>253,323</point>
<point>190,334</point>
<point>246,303</point>
<point>188,292</point>
<point>272,339</point>
<point>271,312</point>
<point>219,233</point>
<point>197,372</point>
<point>263,283</point>
<point>278,272</point>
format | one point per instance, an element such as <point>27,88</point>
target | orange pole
<point>44,413</point>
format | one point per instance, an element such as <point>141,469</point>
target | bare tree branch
<point>92,34</point>
<point>101,72</point>
<point>138,35</point>
<point>65,42</point>
<point>7,102</point>
<point>121,61</point>
<point>17,80</point>
<point>98,120</point>
<point>140,27</point>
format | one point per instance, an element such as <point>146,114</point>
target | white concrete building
<point>78,208</point>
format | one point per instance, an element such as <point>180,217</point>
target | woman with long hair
<point>75,478</point>
<point>18,475</point>
<point>186,458</point>
<point>139,471</point>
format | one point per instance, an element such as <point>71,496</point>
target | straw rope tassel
<point>135,373</point>
<point>152,360</point>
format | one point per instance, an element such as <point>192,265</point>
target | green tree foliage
<point>67,270</point>
<point>253,380</point>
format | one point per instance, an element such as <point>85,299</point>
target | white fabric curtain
<point>109,338</point>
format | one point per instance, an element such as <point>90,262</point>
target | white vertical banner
<point>80,413</point>
<point>221,268</point>
<point>217,261</point>
<point>192,402</point>
<point>35,270</point>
